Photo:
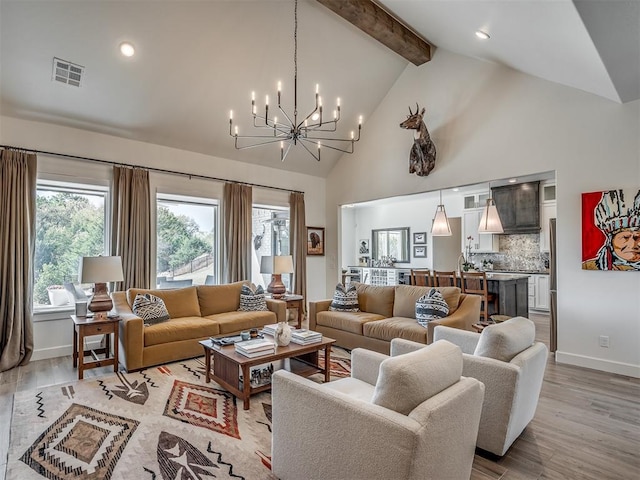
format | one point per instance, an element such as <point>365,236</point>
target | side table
<point>295,301</point>
<point>86,326</point>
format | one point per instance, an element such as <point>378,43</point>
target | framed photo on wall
<point>420,251</point>
<point>315,240</point>
<point>420,238</point>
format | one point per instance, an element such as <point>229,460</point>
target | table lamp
<point>99,271</point>
<point>276,265</point>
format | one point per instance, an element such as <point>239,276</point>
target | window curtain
<point>17,250</point>
<point>237,207</point>
<point>131,226</point>
<point>298,245</point>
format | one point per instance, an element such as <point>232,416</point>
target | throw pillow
<point>252,299</point>
<point>431,306</point>
<point>345,299</point>
<point>150,308</point>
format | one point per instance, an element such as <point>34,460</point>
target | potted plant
<point>57,295</point>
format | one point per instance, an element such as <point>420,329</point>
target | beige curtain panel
<point>237,214</point>
<point>17,250</point>
<point>131,226</point>
<point>298,244</point>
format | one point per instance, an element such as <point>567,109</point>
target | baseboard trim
<point>59,351</point>
<point>610,366</point>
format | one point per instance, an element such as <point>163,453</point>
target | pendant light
<point>490,221</point>
<point>441,227</point>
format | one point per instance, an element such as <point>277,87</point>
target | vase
<point>283,334</point>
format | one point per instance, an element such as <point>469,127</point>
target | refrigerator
<point>553,286</point>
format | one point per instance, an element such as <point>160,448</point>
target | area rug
<point>160,423</point>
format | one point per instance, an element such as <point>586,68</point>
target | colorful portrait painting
<point>611,230</point>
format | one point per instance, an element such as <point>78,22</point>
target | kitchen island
<point>512,291</point>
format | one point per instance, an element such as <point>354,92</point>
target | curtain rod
<point>152,169</point>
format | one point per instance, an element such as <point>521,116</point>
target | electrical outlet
<point>604,341</point>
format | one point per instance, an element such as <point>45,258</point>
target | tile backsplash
<point>517,252</point>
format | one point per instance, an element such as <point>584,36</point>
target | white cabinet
<point>382,276</point>
<point>547,212</point>
<point>481,243</point>
<point>539,292</point>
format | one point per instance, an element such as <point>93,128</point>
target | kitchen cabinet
<point>547,212</point>
<point>485,243</point>
<point>539,292</point>
<point>519,207</point>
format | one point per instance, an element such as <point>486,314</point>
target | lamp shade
<point>266,264</point>
<point>440,227</point>
<point>101,269</point>
<point>490,221</point>
<point>276,264</point>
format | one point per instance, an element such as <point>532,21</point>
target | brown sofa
<point>388,313</point>
<point>197,313</point>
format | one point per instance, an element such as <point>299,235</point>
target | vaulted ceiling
<point>195,61</point>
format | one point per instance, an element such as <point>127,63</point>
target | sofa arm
<point>400,346</point>
<point>365,365</point>
<point>467,313</point>
<point>314,308</point>
<point>131,333</point>
<point>279,307</point>
<point>467,341</point>
<point>299,403</point>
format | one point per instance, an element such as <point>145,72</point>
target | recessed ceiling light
<point>315,116</point>
<point>456,189</point>
<point>127,49</point>
<point>513,180</point>
<point>482,35</point>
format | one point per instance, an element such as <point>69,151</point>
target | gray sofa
<point>388,313</point>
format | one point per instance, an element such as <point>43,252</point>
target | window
<point>70,224</point>
<point>270,237</point>
<point>186,240</point>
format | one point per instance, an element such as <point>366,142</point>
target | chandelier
<point>310,132</point>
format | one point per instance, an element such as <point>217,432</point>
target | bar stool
<point>445,279</point>
<point>476,283</point>
<point>422,277</point>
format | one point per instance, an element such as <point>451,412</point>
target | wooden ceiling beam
<point>378,23</point>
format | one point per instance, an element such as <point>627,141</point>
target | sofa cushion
<point>150,308</point>
<point>356,389</point>
<point>431,307</point>
<point>406,297</point>
<point>252,299</point>
<point>177,329</point>
<point>346,321</point>
<point>375,299</point>
<point>345,299</point>
<point>505,340</point>
<point>219,298</point>
<point>231,322</point>
<point>396,327</point>
<point>181,302</point>
<point>405,381</point>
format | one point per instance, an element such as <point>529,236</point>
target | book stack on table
<point>270,329</point>
<point>256,347</point>
<point>305,337</point>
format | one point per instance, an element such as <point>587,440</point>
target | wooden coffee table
<point>227,365</point>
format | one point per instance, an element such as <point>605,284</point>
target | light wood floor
<point>587,425</point>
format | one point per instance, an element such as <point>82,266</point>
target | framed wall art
<point>315,240</point>
<point>420,251</point>
<point>611,230</point>
<point>420,238</point>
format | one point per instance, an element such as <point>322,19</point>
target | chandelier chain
<point>295,61</point>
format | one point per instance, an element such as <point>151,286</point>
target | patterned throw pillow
<point>150,308</point>
<point>431,307</point>
<point>345,299</point>
<point>252,300</point>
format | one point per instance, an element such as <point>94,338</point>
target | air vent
<point>67,72</point>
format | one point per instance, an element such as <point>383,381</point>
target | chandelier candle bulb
<point>338,103</point>
<point>335,114</point>
<point>317,88</point>
<point>236,130</point>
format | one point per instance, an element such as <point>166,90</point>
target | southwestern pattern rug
<point>160,423</point>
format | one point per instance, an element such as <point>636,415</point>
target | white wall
<point>487,122</point>
<point>52,332</point>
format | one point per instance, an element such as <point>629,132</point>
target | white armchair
<point>408,417</point>
<point>511,366</point>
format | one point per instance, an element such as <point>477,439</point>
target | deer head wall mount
<point>422,157</point>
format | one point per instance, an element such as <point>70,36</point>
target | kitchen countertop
<point>522,272</point>
<point>500,276</point>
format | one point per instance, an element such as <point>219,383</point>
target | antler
<point>417,108</point>
<point>410,112</point>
